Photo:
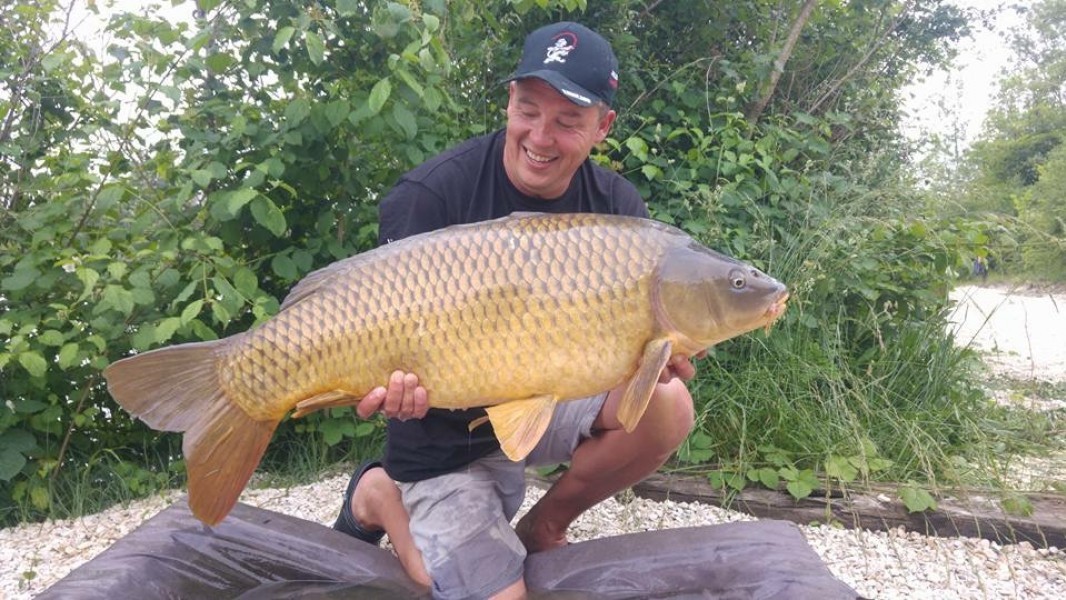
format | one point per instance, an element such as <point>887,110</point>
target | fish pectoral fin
<point>642,385</point>
<point>330,399</point>
<point>520,424</point>
<point>478,422</point>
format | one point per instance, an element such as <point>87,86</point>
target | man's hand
<point>681,367</point>
<point>403,399</point>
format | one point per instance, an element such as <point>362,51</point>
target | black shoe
<point>346,522</point>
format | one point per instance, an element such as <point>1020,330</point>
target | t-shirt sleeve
<point>408,209</point>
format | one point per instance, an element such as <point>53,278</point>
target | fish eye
<point>738,281</point>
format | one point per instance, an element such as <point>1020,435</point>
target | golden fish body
<point>515,314</point>
<point>483,313</point>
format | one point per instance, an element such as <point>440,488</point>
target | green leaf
<point>841,468</point>
<point>267,214</point>
<point>191,311</point>
<point>410,81</point>
<point>799,489</point>
<point>405,119</point>
<point>347,8</point>
<point>165,329</point>
<point>766,476</point>
<point>379,94</point>
<point>11,463</point>
<point>117,298</point>
<point>283,267</point>
<point>18,440</point>
<point>221,313</point>
<point>281,38</point>
<point>246,282</point>
<point>297,111</point>
<point>916,499</point>
<point>331,431</point>
<point>227,205</point>
<point>22,278</point>
<point>638,147</point>
<point>736,481</point>
<point>218,63</point>
<point>68,355</point>
<point>51,337</point>
<point>336,113</point>
<point>316,49</point>
<point>202,177</point>
<point>34,363</point>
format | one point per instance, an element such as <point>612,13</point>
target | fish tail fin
<point>221,452</point>
<point>177,389</point>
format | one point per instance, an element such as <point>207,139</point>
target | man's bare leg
<point>609,462</point>
<point>377,505</point>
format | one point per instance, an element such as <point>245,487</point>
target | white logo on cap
<point>558,51</point>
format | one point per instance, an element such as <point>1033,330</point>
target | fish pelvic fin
<point>520,424</point>
<point>177,389</point>
<point>639,391</point>
<point>331,399</point>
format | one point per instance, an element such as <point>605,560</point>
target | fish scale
<point>514,315</point>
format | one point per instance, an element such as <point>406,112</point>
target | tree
<point>1016,161</point>
<point>175,189</point>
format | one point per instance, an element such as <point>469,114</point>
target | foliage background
<point>176,188</point>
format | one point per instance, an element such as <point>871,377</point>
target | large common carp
<point>515,314</point>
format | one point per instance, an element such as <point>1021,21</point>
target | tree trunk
<point>755,111</point>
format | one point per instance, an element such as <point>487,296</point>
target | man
<point>446,494</point>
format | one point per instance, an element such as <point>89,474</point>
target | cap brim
<point>571,91</point>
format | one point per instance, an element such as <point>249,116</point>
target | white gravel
<point>1020,334</point>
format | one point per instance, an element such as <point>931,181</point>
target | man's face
<point>548,137</point>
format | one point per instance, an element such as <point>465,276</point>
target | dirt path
<point>1022,333</point>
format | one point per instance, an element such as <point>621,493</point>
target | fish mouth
<point>776,310</point>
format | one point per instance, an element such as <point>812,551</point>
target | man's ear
<point>605,125</point>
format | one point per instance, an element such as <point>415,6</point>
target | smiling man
<point>444,493</point>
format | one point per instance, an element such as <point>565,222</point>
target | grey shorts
<point>461,521</point>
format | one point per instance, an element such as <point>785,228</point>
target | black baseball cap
<point>573,59</point>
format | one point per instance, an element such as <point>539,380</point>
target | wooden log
<point>970,513</point>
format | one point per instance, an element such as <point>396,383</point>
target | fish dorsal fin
<point>316,280</point>
<point>520,424</point>
<point>642,385</point>
<point>309,285</point>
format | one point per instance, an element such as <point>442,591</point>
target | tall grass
<point>863,367</point>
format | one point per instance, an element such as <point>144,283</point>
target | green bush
<point>175,190</point>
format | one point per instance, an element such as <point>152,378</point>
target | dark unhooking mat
<point>261,554</point>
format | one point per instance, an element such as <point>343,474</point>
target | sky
<point>968,88</point>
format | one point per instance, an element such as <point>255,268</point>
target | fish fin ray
<point>169,388</point>
<point>221,452</point>
<point>177,389</point>
<point>478,422</point>
<point>641,387</point>
<point>520,424</point>
<point>330,399</point>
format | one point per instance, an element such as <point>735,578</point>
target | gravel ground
<point>1020,337</point>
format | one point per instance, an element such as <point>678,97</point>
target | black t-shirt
<point>467,184</point>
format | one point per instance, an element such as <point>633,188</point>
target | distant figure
<point>980,269</point>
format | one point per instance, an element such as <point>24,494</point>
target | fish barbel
<point>515,314</point>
